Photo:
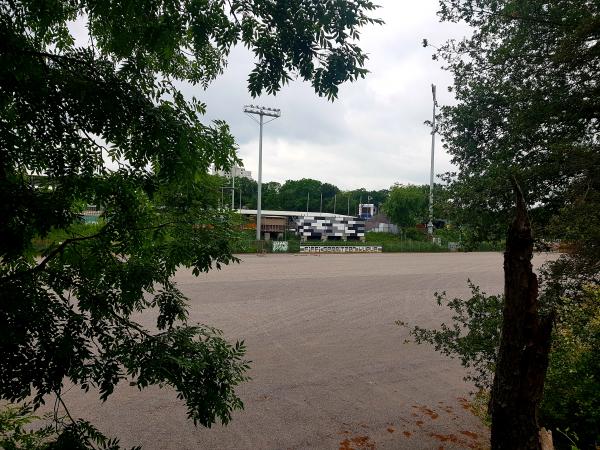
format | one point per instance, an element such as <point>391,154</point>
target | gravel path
<point>330,367</point>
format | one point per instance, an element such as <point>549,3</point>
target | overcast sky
<point>372,136</point>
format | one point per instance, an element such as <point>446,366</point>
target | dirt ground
<point>330,368</point>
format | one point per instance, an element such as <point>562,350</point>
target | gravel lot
<point>330,368</point>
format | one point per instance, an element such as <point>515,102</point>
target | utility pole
<point>260,111</point>
<point>360,207</point>
<point>233,187</point>
<point>430,224</point>
<point>307,200</point>
<point>334,202</point>
<point>321,206</point>
<point>348,213</point>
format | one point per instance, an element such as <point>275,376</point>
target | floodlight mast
<point>261,111</point>
<point>433,130</point>
<point>232,173</point>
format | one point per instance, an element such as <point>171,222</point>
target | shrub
<point>571,404</point>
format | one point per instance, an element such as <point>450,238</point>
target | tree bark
<point>524,344</point>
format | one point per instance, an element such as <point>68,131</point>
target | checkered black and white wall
<point>344,228</point>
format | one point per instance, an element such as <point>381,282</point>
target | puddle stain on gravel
<point>357,443</point>
<point>452,438</point>
<point>463,438</point>
<point>428,412</point>
<point>444,437</point>
<point>466,404</point>
<point>470,434</point>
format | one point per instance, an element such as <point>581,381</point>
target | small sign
<point>341,249</point>
<point>280,247</point>
<point>453,246</point>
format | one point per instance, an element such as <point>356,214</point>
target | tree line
<point>405,204</point>
<point>300,195</point>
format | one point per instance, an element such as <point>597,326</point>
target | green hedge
<point>391,243</point>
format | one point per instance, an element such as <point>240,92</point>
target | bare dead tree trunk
<point>524,344</point>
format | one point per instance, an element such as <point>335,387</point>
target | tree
<point>248,189</point>
<point>294,194</point>
<point>524,344</point>
<point>527,109</point>
<point>65,112</point>
<point>406,205</point>
<point>571,399</point>
<point>270,195</point>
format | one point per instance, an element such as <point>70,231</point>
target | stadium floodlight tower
<point>433,130</point>
<point>260,111</point>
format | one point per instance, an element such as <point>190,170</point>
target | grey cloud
<point>373,135</point>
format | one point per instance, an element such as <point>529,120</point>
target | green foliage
<point>245,188</point>
<point>406,206</point>
<point>411,240</point>
<point>20,429</point>
<point>449,233</point>
<point>527,108</point>
<point>473,336</point>
<point>14,434</point>
<point>293,195</point>
<point>270,195</point>
<point>571,394</point>
<point>523,110</point>
<point>67,111</point>
<point>40,245</point>
<point>82,435</point>
<point>414,234</point>
<point>293,244</point>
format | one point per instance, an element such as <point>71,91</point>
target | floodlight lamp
<point>262,111</point>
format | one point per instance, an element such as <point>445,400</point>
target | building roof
<point>268,212</point>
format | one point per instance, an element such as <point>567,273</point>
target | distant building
<point>238,172</point>
<point>307,225</point>
<point>380,223</point>
<point>366,210</point>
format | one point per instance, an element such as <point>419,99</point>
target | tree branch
<point>233,12</point>
<point>60,400</point>
<point>42,265</point>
